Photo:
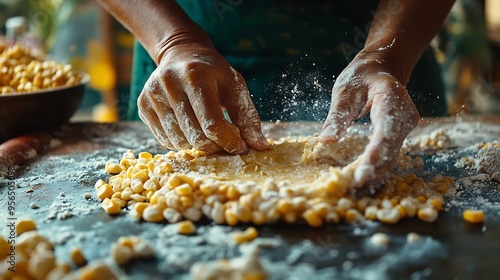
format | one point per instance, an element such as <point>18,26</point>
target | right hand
<point>183,99</point>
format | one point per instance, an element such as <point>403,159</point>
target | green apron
<point>290,53</point>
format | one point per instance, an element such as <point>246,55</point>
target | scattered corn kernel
<point>248,235</point>
<point>473,216</point>
<point>25,225</point>
<point>77,256</point>
<point>186,227</point>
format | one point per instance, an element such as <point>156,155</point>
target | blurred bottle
<point>17,33</point>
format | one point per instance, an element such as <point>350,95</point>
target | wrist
<point>387,62</point>
<point>180,38</point>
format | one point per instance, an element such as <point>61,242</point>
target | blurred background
<point>81,33</point>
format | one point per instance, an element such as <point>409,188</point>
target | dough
<point>488,160</point>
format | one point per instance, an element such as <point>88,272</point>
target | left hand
<point>369,84</point>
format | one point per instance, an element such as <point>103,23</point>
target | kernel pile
<point>35,257</point>
<point>21,71</point>
<point>163,187</point>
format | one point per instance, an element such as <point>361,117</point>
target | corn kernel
<point>473,216</point>
<point>113,168</point>
<point>153,214</point>
<point>184,189</point>
<point>352,216</point>
<point>230,217</point>
<point>248,235</point>
<point>25,225</point>
<point>77,256</point>
<point>110,206</point>
<point>312,218</point>
<point>145,155</point>
<point>186,227</point>
<point>388,215</point>
<point>171,215</point>
<point>427,214</point>
<point>104,191</point>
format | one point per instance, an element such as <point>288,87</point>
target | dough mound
<point>488,160</point>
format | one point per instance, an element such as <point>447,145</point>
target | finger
<point>347,105</point>
<point>242,112</point>
<point>149,117</point>
<point>202,94</point>
<point>393,117</point>
<point>185,117</point>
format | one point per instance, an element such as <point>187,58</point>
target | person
<point>183,98</point>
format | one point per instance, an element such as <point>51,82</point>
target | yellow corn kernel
<point>99,183</point>
<point>117,195</point>
<point>258,218</point>
<point>388,215</point>
<point>402,211</point>
<point>312,218</point>
<point>77,256</point>
<point>362,203</point>
<point>473,216</point>
<point>41,263</point>
<point>171,215</point>
<point>186,201</point>
<point>174,181</point>
<point>232,193</point>
<point>207,189</point>
<point>122,203</point>
<point>121,254</point>
<point>410,206</point>
<point>153,214</point>
<point>137,186</point>
<point>332,217</point>
<point>427,214</point>
<point>421,199</point>
<point>248,235</point>
<point>145,155</point>
<point>371,212</point>
<point>352,216</point>
<point>186,227</point>
<point>243,213</point>
<point>59,271</point>
<point>230,217</point>
<point>97,271</point>
<point>126,193</point>
<point>25,225</point>
<point>163,168</point>
<point>111,207</point>
<point>184,189</point>
<point>104,191</point>
<point>141,175</point>
<point>113,168</point>
<point>137,197</point>
<point>184,178</point>
<point>4,248</point>
<point>285,206</point>
<point>435,202</point>
<point>140,206</point>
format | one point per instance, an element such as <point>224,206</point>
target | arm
<point>375,82</point>
<point>183,99</point>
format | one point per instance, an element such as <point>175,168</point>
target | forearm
<point>402,30</point>
<point>158,25</point>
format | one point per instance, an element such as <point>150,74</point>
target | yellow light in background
<point>492,13</point>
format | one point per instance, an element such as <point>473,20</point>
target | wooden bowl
<point>43,110</point>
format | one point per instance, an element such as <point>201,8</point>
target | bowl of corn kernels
<point>36,94</point>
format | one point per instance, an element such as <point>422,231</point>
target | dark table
<point>50,191</point>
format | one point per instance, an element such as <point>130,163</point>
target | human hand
<point>183,99</point>
<point>370,84</point>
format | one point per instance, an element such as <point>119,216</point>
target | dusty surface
<point>51,190</point>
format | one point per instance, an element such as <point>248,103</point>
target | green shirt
<point>290,53</point>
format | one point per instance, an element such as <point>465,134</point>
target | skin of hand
<point>183,99</point>
<point>375,82</point>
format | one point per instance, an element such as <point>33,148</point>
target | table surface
<point>449,249</point>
